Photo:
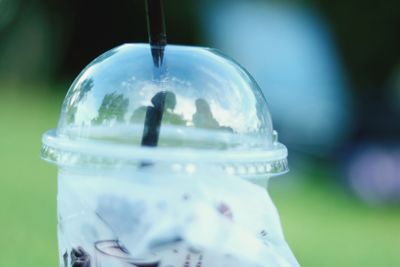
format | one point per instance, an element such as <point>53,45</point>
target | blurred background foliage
<point>329,69</point>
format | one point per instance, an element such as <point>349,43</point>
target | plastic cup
<point>189,201</point>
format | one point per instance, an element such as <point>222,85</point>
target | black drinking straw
<point>156,30</point>
<point>158,41</point>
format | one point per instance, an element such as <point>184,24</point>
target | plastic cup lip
<point>250,163</point>
<point>161,154</point>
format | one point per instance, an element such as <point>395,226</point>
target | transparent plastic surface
<point>195,216</point>
<point>126,198</point>
<point>213,111</point>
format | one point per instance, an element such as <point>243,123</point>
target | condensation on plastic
<point>214,112</point>
<point>196,214</point>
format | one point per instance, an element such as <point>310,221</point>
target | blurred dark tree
<point>61,37</point>
<point>368,34</point>
<point>96,27</point>
<point>47,39</point>
<point>31,40</point>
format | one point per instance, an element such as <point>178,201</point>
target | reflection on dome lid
<point>210,102</point>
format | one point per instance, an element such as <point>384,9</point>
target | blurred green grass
<point>324,226</point>
<point>327,227</point>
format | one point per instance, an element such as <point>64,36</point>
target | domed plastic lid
<point>200,106</point>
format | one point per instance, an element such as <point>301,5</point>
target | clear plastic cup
<point>188,191</point>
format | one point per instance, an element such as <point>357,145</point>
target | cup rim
<point>64,151</point>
